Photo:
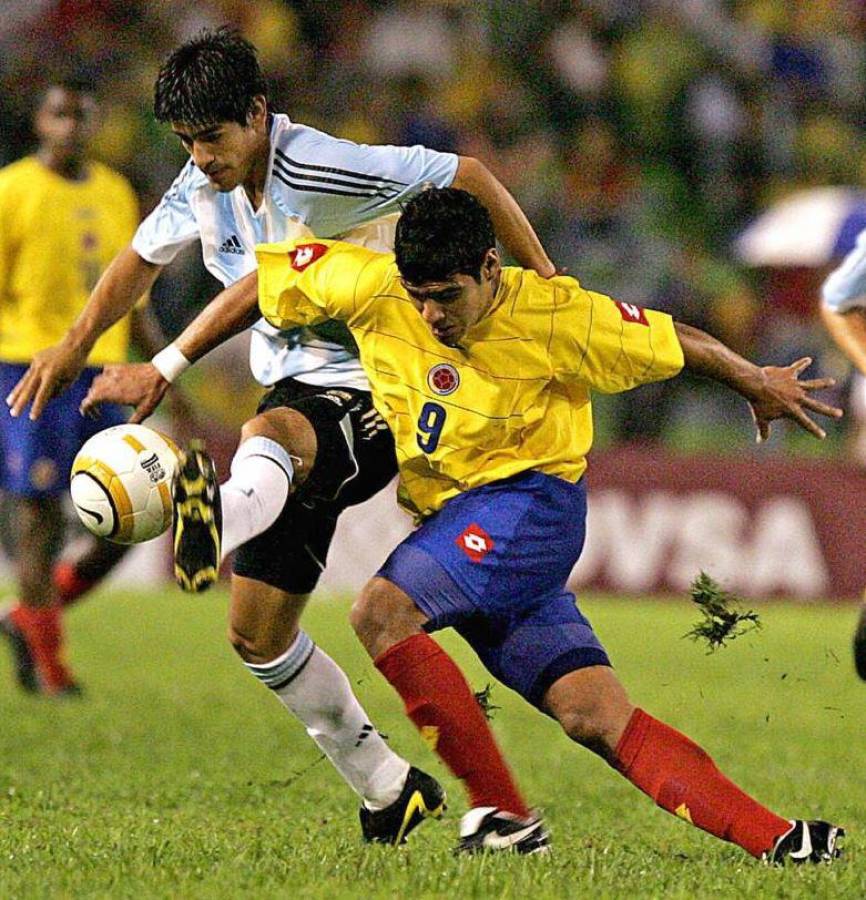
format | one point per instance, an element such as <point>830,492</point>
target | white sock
<point>256,492</point>
<point>313,687</point>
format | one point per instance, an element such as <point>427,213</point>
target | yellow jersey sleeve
<point>307,282</point>
<point>608,345</point>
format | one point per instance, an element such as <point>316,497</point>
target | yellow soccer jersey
<point>56,237</point>
<point>515,397</point>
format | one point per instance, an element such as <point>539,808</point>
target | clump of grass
<point>723,616</point>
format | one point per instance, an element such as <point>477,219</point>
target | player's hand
<point>51,371</point>
<point>782,395</point>
<point>131,384</point>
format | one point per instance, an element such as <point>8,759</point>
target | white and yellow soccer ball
<point>121,483</point>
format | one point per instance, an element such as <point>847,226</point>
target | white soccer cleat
<point>487,829</point>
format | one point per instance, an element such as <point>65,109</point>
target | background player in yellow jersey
<point>484,376</point>
<point>62,219</point>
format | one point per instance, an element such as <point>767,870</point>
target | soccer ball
<point>121,483</point>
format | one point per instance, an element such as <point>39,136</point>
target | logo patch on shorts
<point>475,542</point>
<point>443,379</point>
<point>306,254</point>
<point>632,313</point>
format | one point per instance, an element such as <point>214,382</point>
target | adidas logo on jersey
<point>232,245</point>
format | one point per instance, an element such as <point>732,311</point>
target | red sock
<point>68,583</point>
<point>444,709</point>
<point>682,779</point>
<point>43,631</point>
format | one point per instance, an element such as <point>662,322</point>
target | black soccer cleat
<point>806,842</point>
<point>422,798</point>
<point>197,520</point>
<point>25,665</point>
<point>487,829</point>
<point>859,644</point>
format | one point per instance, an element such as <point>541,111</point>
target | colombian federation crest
<point>443,379</point>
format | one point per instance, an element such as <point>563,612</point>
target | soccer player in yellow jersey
<point>62,219</point>
<point>484,375</point>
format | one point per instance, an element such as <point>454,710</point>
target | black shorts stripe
<point>363,176</point>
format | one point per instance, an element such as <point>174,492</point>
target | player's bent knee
<point>589,728</point>
<point>260,647</point>
<point>592,707</point>
<point>240,643</point>
<point>288,428</point>
<point>383,615</point>
<point>363,615</point>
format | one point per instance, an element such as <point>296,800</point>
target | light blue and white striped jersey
<point>845,287</point>
<point>316,184</point>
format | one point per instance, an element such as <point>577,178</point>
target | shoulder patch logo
<point>306,254</point>
<point>443,379</point>
<point>631,313</point>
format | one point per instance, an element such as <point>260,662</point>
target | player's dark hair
<point>442,232</point>
<point>211,78</point>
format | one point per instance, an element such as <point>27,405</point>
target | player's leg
<point>279,570</point>
<point>593,709</point>
<point>857,451</point>
<point>276,452</point>
<point>34,461</point>
<point>326,458</point>
<point>22,657</point>
<point>328,443</point>
<point>37,616</point>
<point>859,641</point>
<point>439,701</point>
<point>265,631</point>
<point>467,567</point>
<point>73,576</point>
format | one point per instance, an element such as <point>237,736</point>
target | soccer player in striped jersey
<point>317,444</point>
<point>484,375</point>
<point>63,218</point>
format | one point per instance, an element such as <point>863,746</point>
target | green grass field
<point>179,776</point>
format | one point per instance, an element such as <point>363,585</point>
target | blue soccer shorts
<point>35,457</point>
<point>493,564</point>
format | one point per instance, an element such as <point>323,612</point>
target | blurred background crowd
<point>640,136</point>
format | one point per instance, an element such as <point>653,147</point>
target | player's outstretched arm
<point>143,385</point>
<point>52,370</point>
<point>773,392</point>
<point>509,221</point>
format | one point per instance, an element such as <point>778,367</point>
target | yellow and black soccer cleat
<point>197,520</point>
<point>422,798</point>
